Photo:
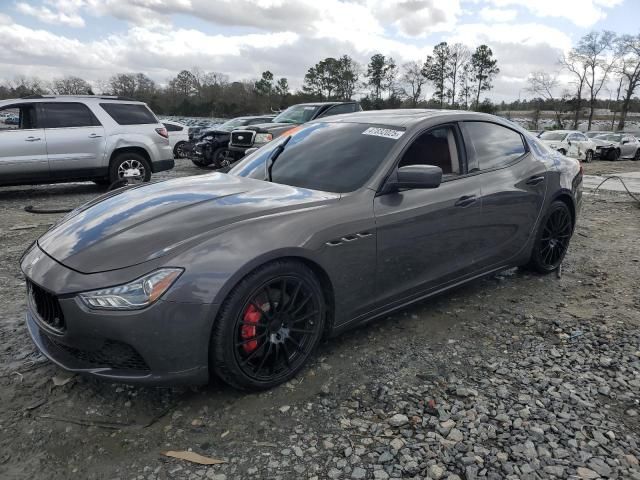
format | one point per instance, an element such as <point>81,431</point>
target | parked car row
<point>225,144</point>
<point>592,145</point>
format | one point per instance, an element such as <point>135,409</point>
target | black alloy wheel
<point>179,150</point>
<point>552,239</point>
<point>269,326</point>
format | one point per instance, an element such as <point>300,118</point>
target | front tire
<point>127,164</point>
<point>552,239</point>
<point>588,157</point>
<point>178,150</point>
<point>636,156</point>
<point>562,151</point>
<point>268,326</point>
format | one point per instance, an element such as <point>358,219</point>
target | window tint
<point>18,117</point>
<point>172,128</point>
<point>65,115</point>
<point>494,146</point>
<point>129,113</point>
<point>338,109</point>
<point>332,157</point>
<point>435,147</point>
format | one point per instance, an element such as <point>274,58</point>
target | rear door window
<point>493,145</point>
<point>68,115</point>
<point>339,109</point>
<point>19,117</point>
<point>129,113</point>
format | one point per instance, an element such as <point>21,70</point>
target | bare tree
<point>595,52</point>
<point>544,85</point>
<point>70,86</point>
<point>460,57</point>
<point>413,81</point>
<point>573,65</point>
<point>628,49</point>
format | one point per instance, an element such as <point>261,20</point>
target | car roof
<point>406,117</point>
<point>66,98</point>
<point>319,104</point>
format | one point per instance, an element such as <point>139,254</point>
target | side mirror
<point>414,176</point>
<point>569,142</point>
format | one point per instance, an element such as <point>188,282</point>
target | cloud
<point>498,14</point>
<point>5,19</point>
<point>584,13</point>
<point>68,18</point>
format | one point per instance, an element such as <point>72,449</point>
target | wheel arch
<point>293,255</point>
<point>139,150</point>
<point>567,198</point>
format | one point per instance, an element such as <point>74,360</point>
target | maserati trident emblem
<point>240,137</point>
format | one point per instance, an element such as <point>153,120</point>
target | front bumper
<point>166,343</point>
<point>162,165</point>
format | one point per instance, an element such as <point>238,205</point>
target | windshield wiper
<point>274,156</point>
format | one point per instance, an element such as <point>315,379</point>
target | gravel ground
<point>513,376</point>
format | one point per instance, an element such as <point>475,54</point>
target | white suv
<point>71,138</point>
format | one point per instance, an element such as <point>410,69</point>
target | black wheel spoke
<point>252,339</point>
<point>264,358</point>
<point>267,291</point>
<point>285,351</point>
<point>304,317</point>
<point>259,308</point>
<point>292,300</point>
<point>301,330</point>
<point>254,354</point>
<point>283,291</point>
<point>301,306</point>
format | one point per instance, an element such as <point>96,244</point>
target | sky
<point>94,39</point>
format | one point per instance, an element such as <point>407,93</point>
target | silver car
<point>613,146</point>
<point>64,138</point>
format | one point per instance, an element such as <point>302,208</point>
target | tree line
<point>599,60</point>
<point>457,75</point>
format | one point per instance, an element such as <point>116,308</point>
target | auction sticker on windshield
<point>383,132</point>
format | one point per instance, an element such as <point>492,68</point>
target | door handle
<point>535,180</point>
<point>95,135</point>
<point>32,139</point>
<point>466,201</point>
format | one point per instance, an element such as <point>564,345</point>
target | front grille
<point>243,138</point>
<point>112,354</point>
<point>47,306</point>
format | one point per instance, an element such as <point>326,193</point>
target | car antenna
<point>274,156</point>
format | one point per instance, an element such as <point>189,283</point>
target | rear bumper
<point>162,165</point>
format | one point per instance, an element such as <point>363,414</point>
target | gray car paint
<point>369,249</point>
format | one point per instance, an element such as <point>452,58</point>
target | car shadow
<point>31,192</point>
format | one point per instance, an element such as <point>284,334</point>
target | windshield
<point>610,137</point>
<point>231,124</point>
<point>557,136</point>
<point>332,157</point>
<point>297,114</point>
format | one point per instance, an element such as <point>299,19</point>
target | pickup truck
<point>255,136</point>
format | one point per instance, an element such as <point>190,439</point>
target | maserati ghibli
<point>337,222</point>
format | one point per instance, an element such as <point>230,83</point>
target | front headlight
<point>134,295</point>
<point>263,138</point>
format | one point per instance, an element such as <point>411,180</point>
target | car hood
<point>146,222</point>
<point>274,128</point>
<point>604,143</point>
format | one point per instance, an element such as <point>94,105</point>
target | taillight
<point>162,132</point>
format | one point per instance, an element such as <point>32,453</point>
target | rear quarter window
<point>129,113</point>
<point>494,145</point>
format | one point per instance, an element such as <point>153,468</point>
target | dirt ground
<point>54,426</point>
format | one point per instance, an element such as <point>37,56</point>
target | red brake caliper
<point>251,315</point>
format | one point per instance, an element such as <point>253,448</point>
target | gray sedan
<point>343,220</point>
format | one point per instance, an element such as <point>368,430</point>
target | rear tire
<point>636,156</point>
<point>562,151</point>
<point>129,162</point>
<point>262,337</point>
<point>552,239</point>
